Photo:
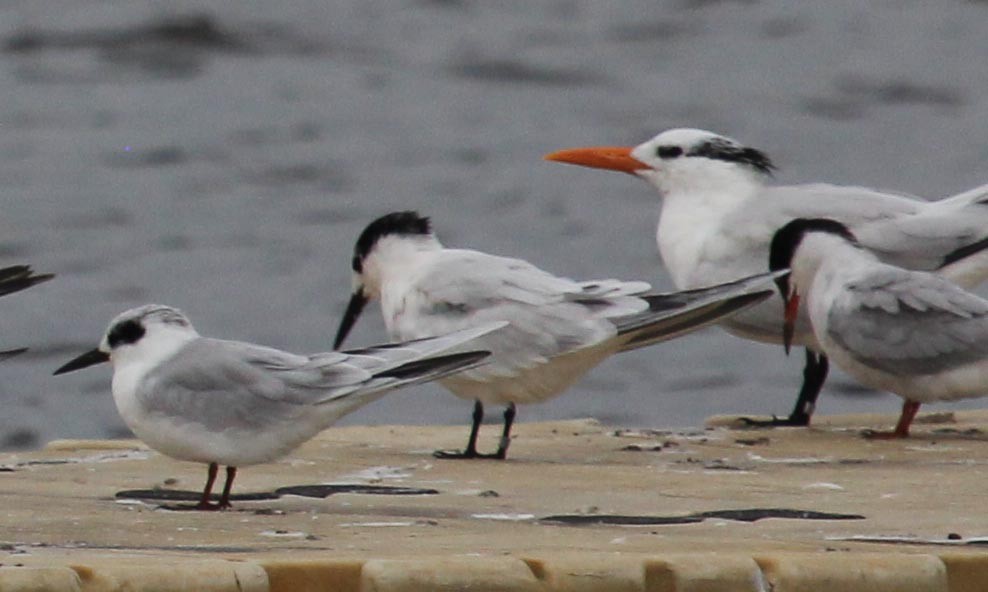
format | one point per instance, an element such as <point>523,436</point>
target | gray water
<point>222,156</point>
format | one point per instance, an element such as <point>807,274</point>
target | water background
<point>222,156</point>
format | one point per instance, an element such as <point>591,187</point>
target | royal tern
<point>913,333</point>
<point>558,328</point>
<point>14,279</point>
<point>718,215</point>
<point>237,404</point>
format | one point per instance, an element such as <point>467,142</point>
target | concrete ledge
<point>586,573</point>
<point>449,574</point>
<point>578,507</point>
<point>966,572</point>
<point>704,572</point>
<point>854,573</point>
<point>613,572</point>
<point>114,575</point>
<point>314,575</point>
<point>37,579</point>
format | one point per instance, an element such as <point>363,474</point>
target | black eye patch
<point>125,332</point>
<point>669,152</point>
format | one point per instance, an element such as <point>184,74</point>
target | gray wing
<point>854,206</point>
<point>741,244</point>
<point>937,237</point>
<point>903,230</point>
<point>909,323</point>
<point>463,281</point>
<point>228,383</point>
<point>975,195</point>
<point>224,384</point>
<point>548,315</point>
<point>471,279</point>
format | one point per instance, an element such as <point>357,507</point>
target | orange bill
<point>789,326</point>
<point>612,158</point>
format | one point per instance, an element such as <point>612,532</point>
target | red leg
<point>909,411</point>
<point>231,472</point>
<point>210,479</point>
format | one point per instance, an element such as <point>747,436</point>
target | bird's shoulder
<point>852,205</point>
<point>234,368</point>
<point>459,276</point>
<point>914,294</point>
<point>909,322</point>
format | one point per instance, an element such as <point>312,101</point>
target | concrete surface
<point>578,506</point>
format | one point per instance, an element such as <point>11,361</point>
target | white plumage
<point>236,404</point>
<point>913,333</point>
<point>718,216</point>
<point>558,328</point>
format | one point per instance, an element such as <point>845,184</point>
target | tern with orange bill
<point>718,214</point>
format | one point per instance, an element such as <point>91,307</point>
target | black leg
<point>509,419</point>
<point>471,449</point>
<point>210,479</point>
<point>231,473</point>
<point>814,375</point>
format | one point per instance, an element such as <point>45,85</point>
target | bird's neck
<point>394,259</point>
<point>692,214</point>
<point>153,349</point>
<point>132,363</point>
<point>827,259</point>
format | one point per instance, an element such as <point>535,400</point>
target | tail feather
<point>650,329</point>
<point>383,358</point>
<point>6,354</point>
<point>674,314</point>
<point>434,368</point>
<point>19,277</point>
<point>963,253</point>
<point>414,372</point>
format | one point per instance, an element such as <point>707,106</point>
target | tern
<point>558,329</point>
<point>718,214</point>
<point>913,333</point>
<point>14,279</point>
<point>236,404</point>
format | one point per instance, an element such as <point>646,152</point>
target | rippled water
<point>222,159</point>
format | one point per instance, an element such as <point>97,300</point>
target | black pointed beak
<point>782,283</point>
<point>87,359</point>
<point>353,310</point>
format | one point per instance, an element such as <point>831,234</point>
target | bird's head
<point>148,333</point>
<point>386,241</point>
<point>676,158</point>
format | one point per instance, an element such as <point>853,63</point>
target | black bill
<point>353,310</point>
<point>87,359</point>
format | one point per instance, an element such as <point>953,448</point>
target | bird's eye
<point>125,332</point>
<point>669,151</point>
<point>357,264</point>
